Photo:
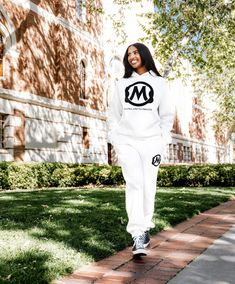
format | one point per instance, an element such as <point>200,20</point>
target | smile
<point>134,61</point>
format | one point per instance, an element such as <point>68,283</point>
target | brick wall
<point>46,43</point>
<point>49,53</point>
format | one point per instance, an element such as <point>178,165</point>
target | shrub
<point>63,176</point>
<point>172,175</point>
<point>45,172</point>
<point>82,175</point>
<point>201,176</point>
<point>22,176</point>
<point>36,175</point>
<point>4,184</point>
<point>226,174</point>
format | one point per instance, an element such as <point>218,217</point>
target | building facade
<point>52,100</point>
<point>58,65</point>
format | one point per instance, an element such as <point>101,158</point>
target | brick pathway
<point>171,251</point>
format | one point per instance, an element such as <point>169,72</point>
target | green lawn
<point>48,233</point>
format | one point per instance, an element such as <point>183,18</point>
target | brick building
<point>58,63</point>
<point>52,101</point>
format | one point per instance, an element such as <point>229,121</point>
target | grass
<point>49,233</point>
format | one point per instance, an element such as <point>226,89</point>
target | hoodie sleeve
<point>114,113</point>
<point>166,112</point>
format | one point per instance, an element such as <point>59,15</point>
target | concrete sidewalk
<point>176,256</point>
<point>215,266</point>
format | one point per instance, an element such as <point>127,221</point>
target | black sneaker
<point>146,238</point>
<point>138,246</point>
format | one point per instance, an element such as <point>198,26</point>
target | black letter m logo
<point>139,94</point>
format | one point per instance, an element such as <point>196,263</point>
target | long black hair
<point>146,59</point>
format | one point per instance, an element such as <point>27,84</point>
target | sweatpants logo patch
<point>156,160</point>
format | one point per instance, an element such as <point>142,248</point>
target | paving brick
<point>74,277</point>
<point>215,232</point>
<point>172,245</point>
<point>137,267</point>
<point>77,281</point>
<point>93,268</point>
<point>148,280</point>
<point>119,275</point>
<point>184,237</point>
<point>158,253</point>
<point>88,274</point>
<point>174,264</point>
<point>195,231</point>
<point>161,274</point>
<point>167,234</point>
<point>179,263</point>
<point>113,281</point>
<point>185,256</point>
<point>156,240</point>
<point>111,263</point>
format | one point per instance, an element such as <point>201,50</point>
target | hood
<point>134,74</point>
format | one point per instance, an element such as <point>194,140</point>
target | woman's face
<point>134,60</point>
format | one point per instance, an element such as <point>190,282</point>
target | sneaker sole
<point>140,252</point>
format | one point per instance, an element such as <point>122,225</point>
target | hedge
<point>15,175</point>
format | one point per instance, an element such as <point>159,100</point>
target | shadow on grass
<point>92,222</point>
<point>84,219</point>
<point>21,267</point>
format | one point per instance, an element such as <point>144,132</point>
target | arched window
<point>83,80</point>
<point>1,54</point>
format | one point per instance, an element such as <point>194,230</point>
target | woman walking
<point>140,118</point>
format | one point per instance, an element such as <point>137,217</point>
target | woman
<point>140,118</point>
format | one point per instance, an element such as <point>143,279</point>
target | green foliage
<point>197,175</point>
<point>4,175</point>
<point>39,175</point>
<point>45,172</point>
<point>21,175</point>
<point>63,177</point>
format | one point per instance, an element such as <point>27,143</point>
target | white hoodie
<point>141,107</point>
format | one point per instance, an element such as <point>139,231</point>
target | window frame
<point>83,78</point>
<point>2,45</point>
<point>173,152</point>
<point>187,154</point>
<point>2,130</point>
<point>85,137</point>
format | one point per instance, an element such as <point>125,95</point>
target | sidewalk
<point>215,266</point>
<point>171,251</point>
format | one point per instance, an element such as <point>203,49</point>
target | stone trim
<point>24,97</point>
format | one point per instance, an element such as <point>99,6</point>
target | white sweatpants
<point>140,162</point>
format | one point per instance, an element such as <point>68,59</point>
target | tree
<point>201,32</point>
